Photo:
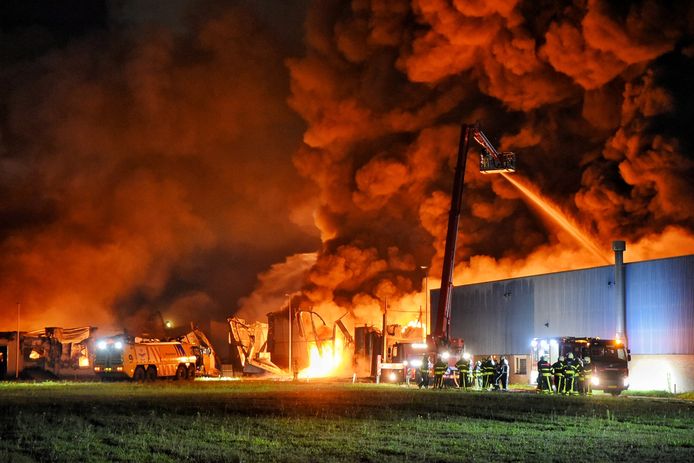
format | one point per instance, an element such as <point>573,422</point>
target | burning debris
<point>48,352</point>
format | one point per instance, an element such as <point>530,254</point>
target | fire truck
<point>403,361</point>
<point>609,358</point>
<point>143,359</point>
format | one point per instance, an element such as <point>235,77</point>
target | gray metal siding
<point>503,316</point>
<point>660,306</point>
<point>577,303</point>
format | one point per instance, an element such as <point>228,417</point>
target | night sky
<point>200,159</point>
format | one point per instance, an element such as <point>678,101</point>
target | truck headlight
<point>445,355</point>
<point>118,345</point>
<point>595,381</point>
<point>101,345</point>
<point>626,382</point>
<point>416,363</point>
<point>392,376</point>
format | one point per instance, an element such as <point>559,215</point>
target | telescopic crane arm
<point>491,161</point>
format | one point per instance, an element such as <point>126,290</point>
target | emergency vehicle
<point>143,359</point>
<point>402,362</point>
<point>609,358</point>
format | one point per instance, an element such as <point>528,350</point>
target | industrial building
<point>502,317</point>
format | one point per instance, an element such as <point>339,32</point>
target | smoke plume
<point>145,174</point>
<point>152,172</point>
<point>591,95</point>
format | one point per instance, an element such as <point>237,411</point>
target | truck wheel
<point>151,374</point>
<point>139,374</point>
<point>191,372</point>
<point>615,393</point>
<point>181,373</point>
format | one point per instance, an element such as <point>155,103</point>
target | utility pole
<point>16,366</point>
<point>385,329</point>
<point>289,351</point>
<point>425,331</point>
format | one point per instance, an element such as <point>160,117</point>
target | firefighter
<point>579,376</point>
<point>587,374</point>
<point>487,372</point>
<point>440,368</point>
<point>424,372</point>
<point>544,375</point>
<point>570,371</point>
<point>463,366</point>
<point>478,374</point>
<point>558,369</point>
<point>502,378</point>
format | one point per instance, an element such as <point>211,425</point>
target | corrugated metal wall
<point>660,306</point>
<point>503,316</point>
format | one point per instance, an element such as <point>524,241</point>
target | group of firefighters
<point>483,375</point>
<point>569,376</point>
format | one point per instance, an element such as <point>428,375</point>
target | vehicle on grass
<point>123,357</point>
<point>403,362</point>
<point>609,358</point>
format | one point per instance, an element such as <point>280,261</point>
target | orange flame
<point>325,361</point>
<point>416,323</point>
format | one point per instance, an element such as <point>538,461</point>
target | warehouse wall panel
<point>503,316</point>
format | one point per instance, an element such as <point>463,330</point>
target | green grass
<point>269,421</point>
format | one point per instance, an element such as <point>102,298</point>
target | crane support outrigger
<point>491,161</point>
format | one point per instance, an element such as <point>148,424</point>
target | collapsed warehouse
<point>45,353</point>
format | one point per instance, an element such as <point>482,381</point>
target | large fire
<point>325,360</point>
<point>585,93</point>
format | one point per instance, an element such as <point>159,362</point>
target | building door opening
<point>3,361</point>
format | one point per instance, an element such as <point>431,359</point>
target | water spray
<point>554,213</point>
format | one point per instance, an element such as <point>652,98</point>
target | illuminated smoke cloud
<point>146,173</point>
<point>585,93</point>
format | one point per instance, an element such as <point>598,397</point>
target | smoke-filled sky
<point>210,156</point>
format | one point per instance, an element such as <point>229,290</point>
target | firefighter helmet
<point>570,356</point>
<point>587,359</point>
<point>561,358</point>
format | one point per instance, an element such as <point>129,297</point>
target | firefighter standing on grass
<point>463,366</point>
<point>424,372</point>
<point>440,368</point>
<point>570,371</point>
<point>558,369</point>
<point>587,377</point>
<point>487,372</point>
<point>502,378</point>
<point>544,370</point>
<point>478,374</point>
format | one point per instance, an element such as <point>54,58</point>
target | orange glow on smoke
<point>560,218</point>
<point>326,361</point>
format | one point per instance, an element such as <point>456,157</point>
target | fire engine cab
<point>609,357</point>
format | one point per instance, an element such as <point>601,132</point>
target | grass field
<point>264,421</point>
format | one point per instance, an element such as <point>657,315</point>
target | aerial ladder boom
<point>491,161</point>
